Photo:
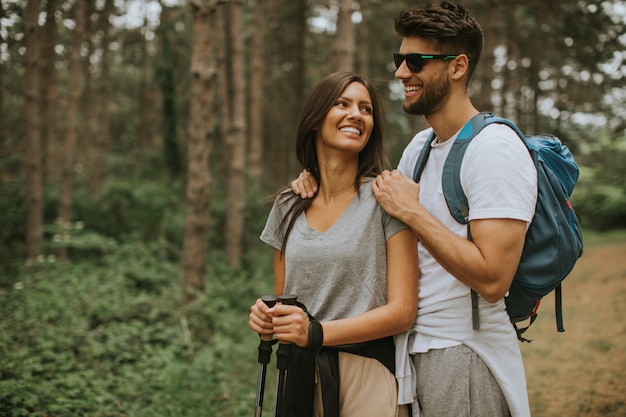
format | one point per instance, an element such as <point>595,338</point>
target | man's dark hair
<point>450,28</point>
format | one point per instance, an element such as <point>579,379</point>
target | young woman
<point>351,265</point>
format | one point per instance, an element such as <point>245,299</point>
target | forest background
<point>140,140</point>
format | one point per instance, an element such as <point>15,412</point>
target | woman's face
<point>349,122</point>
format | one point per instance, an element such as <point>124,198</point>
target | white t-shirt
<point>499,180</point>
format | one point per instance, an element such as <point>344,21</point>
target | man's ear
<point>460,67</point>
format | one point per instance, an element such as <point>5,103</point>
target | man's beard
<point>431,97</point>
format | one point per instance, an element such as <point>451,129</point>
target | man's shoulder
<point>412,150</point>
<point>497,138</point>
<point>497,130</point>
<point>418,140</point>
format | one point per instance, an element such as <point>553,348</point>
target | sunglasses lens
<point>398,60</point>
<point>414,63</point>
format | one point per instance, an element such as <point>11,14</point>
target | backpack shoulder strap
<point>423,157</point>
<point>451,181</point>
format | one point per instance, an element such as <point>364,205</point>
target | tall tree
<point>487,13</point>
<point>146,111</point>
<point>195,245</point>
<point>236,138</point>
<point>344,39</point>
<point>88,152</point>
<point>167,82</point>
<point>103,94</point>
<point>224,103</point>
<point>50,131</point>
<point>364,38</point>
<point>286,85</point>
<point>34,169</point>
<point>66,193</point>
<point>257,75</point>
<point>3,41</point>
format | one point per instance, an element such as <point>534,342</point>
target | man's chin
<point>411,108</point>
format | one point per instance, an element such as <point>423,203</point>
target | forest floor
<point>582,372</point>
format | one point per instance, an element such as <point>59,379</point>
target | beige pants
<point>367,389</point>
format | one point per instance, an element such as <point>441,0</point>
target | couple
<point>350,248</point>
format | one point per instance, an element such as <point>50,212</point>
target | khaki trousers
<point>366,389</point>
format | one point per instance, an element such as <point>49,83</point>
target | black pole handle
<point>289,299</point>
<point>265,353</point>
<point>283,357</point>
<point>283,354</point>
<point>270,301</point>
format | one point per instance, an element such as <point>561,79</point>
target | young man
<point>458,371</point>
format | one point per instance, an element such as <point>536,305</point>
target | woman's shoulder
<point>366,186</point>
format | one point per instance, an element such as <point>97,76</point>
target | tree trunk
<point>344,38</point>
<point>103,94</point>
<point>482,90</point>
<point>167,82</point>
<point>147,111</point>
<point>73,121</point>
<point>34,169</point>
<point>511,80</point>
<point>195,245</point>
<point>50,131</point>
<point>3,41</point>
<point>364,38</point>
<point>257,77</point>
<point>287,86</point>
<point>224,103</point>
<point>236,140</point>
<point>88,152</point>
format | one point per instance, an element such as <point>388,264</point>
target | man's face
<point>424,91</point>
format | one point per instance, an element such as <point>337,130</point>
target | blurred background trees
<point>101,98</point>
<point>140,140</point>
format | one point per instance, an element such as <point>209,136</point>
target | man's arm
<point>487,264</point>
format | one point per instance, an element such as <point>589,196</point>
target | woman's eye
<point>367,110</point>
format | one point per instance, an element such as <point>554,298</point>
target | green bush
<point>600,194</point>
<point>109,338</point>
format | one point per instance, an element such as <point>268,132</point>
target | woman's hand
<point>260,321</point>
<point>290,324</point>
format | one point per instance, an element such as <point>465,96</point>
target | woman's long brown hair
<point>323,96</point>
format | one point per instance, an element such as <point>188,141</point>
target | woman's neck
<point>337,179</point>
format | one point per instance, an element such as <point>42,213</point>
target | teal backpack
<point>553,241</point>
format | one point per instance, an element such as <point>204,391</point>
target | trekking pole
<point>265,352</point>
<point>283,356</point>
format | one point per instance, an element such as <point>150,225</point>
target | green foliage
<point>12,223</point>
<point>128,206</point>
<point>600,194</point>
<point>110,338</point>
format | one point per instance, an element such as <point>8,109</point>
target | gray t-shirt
<point>340,272</point>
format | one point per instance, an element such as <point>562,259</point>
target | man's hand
<point>395,192</point>
<point>305,185</point>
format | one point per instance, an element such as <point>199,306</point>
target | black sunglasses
<point>415,62</point>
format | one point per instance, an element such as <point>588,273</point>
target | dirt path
<point>582,372</point>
